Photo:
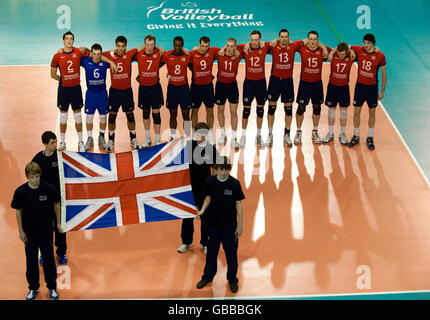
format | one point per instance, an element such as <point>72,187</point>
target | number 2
<point>69,68</point>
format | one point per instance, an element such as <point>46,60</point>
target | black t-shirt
<point>49,166</point>
<point>222,211</point>
<point>202,157</point>
<point>37,207</point>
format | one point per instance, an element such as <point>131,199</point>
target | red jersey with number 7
<point>368,65</point>
<point>149,66</point>
<point>202,65</point>
<point>340,69</point>
<point>122,79</point>
<point>177,67</point>
<point>255,62</point>
<point>69,64</point>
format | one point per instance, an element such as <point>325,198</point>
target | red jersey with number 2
<point>69,64</point>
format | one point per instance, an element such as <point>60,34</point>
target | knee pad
<point>301,109</point>
<point>317,109</point>
<point>156,118</point>
<point>331,113</point>
<point>78,117</point>
<point>260,112</point>
<point>112,118</point>
<point>130,117</point>
<point>288,111</point>
<point>146,113</point>
<point>102,118</point>
<point>63,117</point>
<point>89,118</point>
<point>246,113</point>
<point>272,110</point>
<point>343,114</point>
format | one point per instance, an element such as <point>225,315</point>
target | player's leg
<point>287,97</point>
<point>157,102</point>
<point>113,107</point>
<point>90,108</point>
<point>331,103</point>
<point>196,103</point>
<point>344,102</point>
<point>372,102</point>
<point>63,105</point>
<point>156,118</point>
<point>247,98</point>
<point>233,100</point>
<point>172,105</point>
<point>127,103</point>
<point>209,102</point>
<point>144,103</point>
<point>317,100</point>
<point>261,97</point>
<point>273,94</point>
<point>220,99</point>
<point>185,102</point>
<point>359,98</point>
<point>303,97</point>
<point>77,104</point>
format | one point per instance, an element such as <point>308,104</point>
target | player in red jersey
<point>120,92</point>
<point>226,88</point>
<point>202,89</point>
<point>338,90</point>
<point>150,60</point>
<point>178,90</point>
<point>310,87</point>
<point>254,85</point>
<point>370,61</point>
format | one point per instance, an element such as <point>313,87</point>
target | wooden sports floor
<point>318,219</point>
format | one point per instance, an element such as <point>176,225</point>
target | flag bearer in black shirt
<point>35,202</point>
<point>48,162</point>
<point>223,205</point>
<point>202,156</point>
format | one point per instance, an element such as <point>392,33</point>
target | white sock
<point>243,132</point>
<point>173,133</point>
<point>258,132</point>
<point>90,133</point>
<point>331,129</point>
<point>356,132</point>
<point>63,137</point>
<point>270,130</point>
<point>102,131</point>
<point>370,133</point>
<point>315,128</point>
<point>233,134</point>
<point>342,129</point>
<point>148,134</point>
<point>222,131</point>
<point>80,135</point>
<point>157,137</point>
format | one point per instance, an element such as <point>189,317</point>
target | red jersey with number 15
<point>312,61</point>
<point>149,66</point>
<point>122,79</point>
<point>228,67</point>
<point>368,65</point>
<point>202,65</point>
<point>255,62</point>
<point>283,59</point>
<point>340,69</point>
<point>69,64</point>
<point>177,67</point>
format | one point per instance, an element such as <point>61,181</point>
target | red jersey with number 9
<point>122,79</point>
<point>177,67</point>
<point>69,64</point>
<point>202,65</point>
<point>368,65</point>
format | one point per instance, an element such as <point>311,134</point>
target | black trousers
<point>216,236</point>
<point>60,240</point>
<point>187,230</point>
<point>44,243</point>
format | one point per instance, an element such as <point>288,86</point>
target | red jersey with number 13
<point>283,59</point>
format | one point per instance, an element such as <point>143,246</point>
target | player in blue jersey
<point>96,96</point>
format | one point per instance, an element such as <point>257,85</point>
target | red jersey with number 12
<point>69,64</point>
<point>255,62</point>
<point>177,67</point>
<point>122,79</point>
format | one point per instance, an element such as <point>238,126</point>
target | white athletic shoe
<point>157,142</point>
<point>81,146</point>
<point>204,248</point>
<point>269,141</point>
<point>222,140</point>
<point>102,142</point>
<point>343,139</point>
<point>242,141</point>
<point>234,144</point>
<point>259,141</point>
<point>298,137</point>
<point>146,143</point>
<point>89,144</point>
<point>134,144</point>
<point>315,136</point>
<point>329,137</point>
<point>287,140</point>
<point>184,247</point>
<point>62,146</point>
<point>110,146</point>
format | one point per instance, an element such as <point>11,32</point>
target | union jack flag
<point>107,190</point>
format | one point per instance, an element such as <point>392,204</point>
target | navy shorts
<point>178,95</point>
<point>69,96</point>
<point>202,93</point>
<point>310,91</point>
<point>150,96</point>
<point>122,98</point>
<point>96,100</point>
<point>254,89</point>
<point>224,91</point>
<point>364,93</point>
<point>280,87</point>
<point>337,95</point>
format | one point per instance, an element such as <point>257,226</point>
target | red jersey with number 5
<point>368,65</point>
<point>255,62</point>
<point>228,67</point>
<point>69,64</point>
<point>177,67</point>
<point>122,79</point>
<point>202,65</point>
<point>149,66</point>
<point>283,59</point>
<point>340,69</point>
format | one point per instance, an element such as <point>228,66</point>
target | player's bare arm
<point>384,82</point>
<point>54,74</point>
<point>205,206</point>
<point>112,64</point>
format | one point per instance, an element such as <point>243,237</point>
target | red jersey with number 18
<point>340,69</point>
<point>122,79</point>
<point>368,65</point>
<point>177,67</point>
<point>255,62</point>
<point>69,64</point>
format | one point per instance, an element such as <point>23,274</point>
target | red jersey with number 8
<point>177,67</point>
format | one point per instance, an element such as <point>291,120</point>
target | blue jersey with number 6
<point>95,74</point>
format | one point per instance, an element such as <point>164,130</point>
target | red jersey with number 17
<point>368,65</point>
<point>122,79</point>
<point>69,64</point>
<point>255,62</point>
<point>228,67</point>
<point>283,59</point>
<point>340,69</point>
<point>149,66</point>
<point>202,65</point>
<point>177,67</point>
<point>312,61</point>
